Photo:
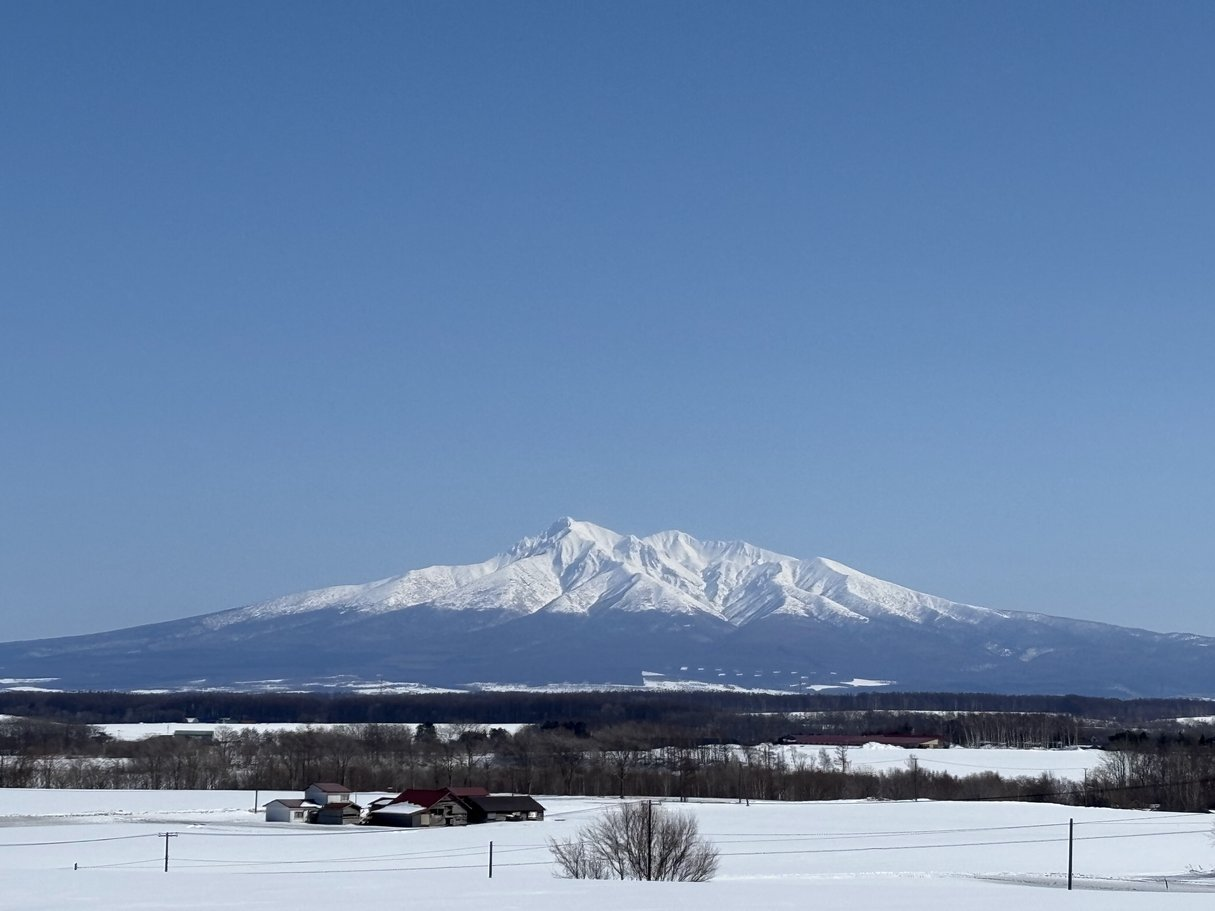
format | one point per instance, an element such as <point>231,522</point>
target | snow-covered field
<point>104,850</point>
<point>1067,765</point>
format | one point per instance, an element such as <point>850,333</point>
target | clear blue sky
<point>298,294</point>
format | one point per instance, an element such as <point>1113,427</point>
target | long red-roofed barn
<point>416,807</point>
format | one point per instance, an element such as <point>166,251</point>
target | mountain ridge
<point>582,603</point>
<point>579,551</point>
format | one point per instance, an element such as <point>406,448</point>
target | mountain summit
<point>584,604</point>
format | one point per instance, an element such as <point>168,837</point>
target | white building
<point>323,792</point>
<point>290,810</point>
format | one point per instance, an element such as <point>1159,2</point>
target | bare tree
<point>841,758</point>
<point>472,742</point>
<point>638,841</point>
<point>579,860</point>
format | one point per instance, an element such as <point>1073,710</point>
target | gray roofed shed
<point>499,808</point>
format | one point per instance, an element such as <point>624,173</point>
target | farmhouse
<point>290,810</point>
<point>322,795</point>
<point>323,792</point>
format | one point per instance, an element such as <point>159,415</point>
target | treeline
<point>1175,772</point>
<point>552,759</point>
<point>593,708</point>
<point>1022,730</point>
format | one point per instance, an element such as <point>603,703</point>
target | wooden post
<point>1071,831</point>
<point>491,860</point>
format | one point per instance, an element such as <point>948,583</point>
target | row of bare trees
<point>1175,772</point>
<point>618,761</point>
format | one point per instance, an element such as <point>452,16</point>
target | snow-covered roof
<point>402,808</point>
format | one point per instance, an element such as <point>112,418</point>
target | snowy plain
<point>1065,765</point>
<point>104,850</point>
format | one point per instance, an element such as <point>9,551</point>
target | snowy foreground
<point>913,855</point>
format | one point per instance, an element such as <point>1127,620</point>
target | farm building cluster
<point>329,803</point>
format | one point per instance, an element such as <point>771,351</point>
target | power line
<point>334,863</point>
<point>73,841</point>
<point>129,863</point>
<point>1155,819</point>
<point>962,844</point>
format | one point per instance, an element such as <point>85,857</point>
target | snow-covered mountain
<point>581,603</point>
<point>579,568</point>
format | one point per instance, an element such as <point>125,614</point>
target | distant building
<point>327,803</point>
<point>415,807</point>
<point>323,792</point>
<point>290,810</point>
<point>187,734</point>
<point>399,814</point>
<point>338,813</point>
<point>503,809</point>
<point>908,741</point>
<point>428,796</point>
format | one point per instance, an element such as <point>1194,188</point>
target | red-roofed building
<point>426,807</point>
<point>429,796</point>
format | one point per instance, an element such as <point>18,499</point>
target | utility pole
<point>491,860</point>
<point>915,777</point>
<point>166,836</point>
<point>1071,832</point>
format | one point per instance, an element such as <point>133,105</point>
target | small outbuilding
<point>290,810</point>
<point>338,814</point>
<point>400,814</point>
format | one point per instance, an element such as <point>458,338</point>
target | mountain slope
<point>581,603</point>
